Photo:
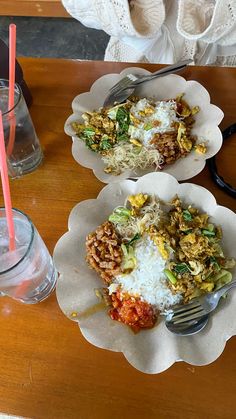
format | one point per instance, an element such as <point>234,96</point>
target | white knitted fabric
<point>163,31</point>
<point>211,20</point>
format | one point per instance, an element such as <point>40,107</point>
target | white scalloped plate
<point>205,128</point>
<point>155,350</point>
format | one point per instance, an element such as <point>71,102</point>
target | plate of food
<point>136,251</point>
<point>169,125</point>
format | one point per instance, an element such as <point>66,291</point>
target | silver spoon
<point>188,328</point>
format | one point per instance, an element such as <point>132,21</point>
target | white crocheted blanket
<point>163,30</point>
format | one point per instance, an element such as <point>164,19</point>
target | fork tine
<point>123,83</point>
<point>189,323</point>
<point>120,85</point>
<point>196,314</point>
<point>185,307</point>
<point>189,311</point>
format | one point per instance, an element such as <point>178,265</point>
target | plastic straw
<point>6,188</point>
<point>11,97</point>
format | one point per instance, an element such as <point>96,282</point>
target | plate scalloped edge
<point>155,350</point>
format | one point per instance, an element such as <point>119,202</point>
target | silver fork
<point>132,79</point>
<point>126,86</point>
<point>123,83</point>
<point>198,307</point>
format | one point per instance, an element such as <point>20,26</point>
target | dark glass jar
<point>4,72</point>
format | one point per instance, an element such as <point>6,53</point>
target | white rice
<point>147,280</point>
<point>164,112</point>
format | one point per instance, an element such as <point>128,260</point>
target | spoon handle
<point>163,71</point>
<point>225,288</point>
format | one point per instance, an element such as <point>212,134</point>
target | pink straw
<point>6,188</point>
<point>11,99</point>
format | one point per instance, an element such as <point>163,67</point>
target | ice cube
<point>8,259</point>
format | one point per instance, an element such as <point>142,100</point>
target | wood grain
<point>48,370</point>
<point>43,8</point>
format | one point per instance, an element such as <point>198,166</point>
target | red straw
<point>11,99</point>
<point>6,188</point>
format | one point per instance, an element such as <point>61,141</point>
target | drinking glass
<point>23,148</point>
<point>27,273</point>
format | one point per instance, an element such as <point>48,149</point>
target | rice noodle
<point>128,156</point>
<point>149,214</point>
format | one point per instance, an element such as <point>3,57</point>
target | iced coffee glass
<point>23,149</point>
<point>27,273</point>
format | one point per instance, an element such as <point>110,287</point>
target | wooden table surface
<point>39,8</point>
<point>48,370</point>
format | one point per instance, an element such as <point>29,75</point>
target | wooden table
<point>48,370</point>
<point>43,8</point>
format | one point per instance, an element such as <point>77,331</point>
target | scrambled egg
<point>196,247</point>
<point>136,142</point>
<point>138,200</point>
<point>201,148</point>
<point>184,142</point>
<point>161,245</point>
